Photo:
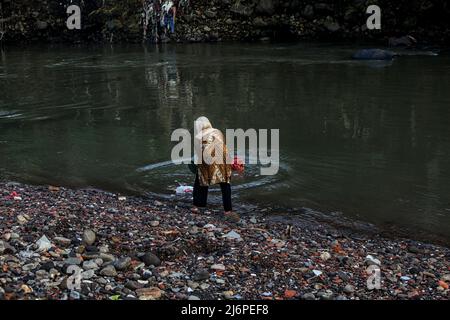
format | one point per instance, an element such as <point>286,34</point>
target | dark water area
<point>370,140</point>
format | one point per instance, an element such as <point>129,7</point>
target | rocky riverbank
<point>225,20</point>
<point>58,243</point>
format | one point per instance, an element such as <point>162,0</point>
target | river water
<point>370,140</point>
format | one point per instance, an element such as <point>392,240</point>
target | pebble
<point>122,263</point>
<point>325,256</point>
<point>108,271</point>
<point>90,265</point>
<point>64,242</point>
<point>349,288</point>
<point>88,274</point>
<point>151,293</point>
<point>73,261</point>
<point>151,259</point>
<point>133,285</point>
<point>89,237</point>
<point>154,223</point>
<point>308,296</point>
<point>218,267</point>
<point>201,275</point>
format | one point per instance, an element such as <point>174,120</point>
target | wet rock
<point>90,265</point>
<point>201,275</point>
<point>151,259</point>
<point>193,298</point>
<point>308,296</point>
<point>325,295</point>
<point>134,285</point>
<point>89,237</point>
<point>349,289</point>
<point>122,263</point>
<point>88,274</point>
<point>154,223</point>
<point>73,261</point>
<point>106,257</point>
<point>108,271</point>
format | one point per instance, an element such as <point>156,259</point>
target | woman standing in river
<point>216,169</point>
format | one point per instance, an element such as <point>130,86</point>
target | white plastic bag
<point>184,189</point>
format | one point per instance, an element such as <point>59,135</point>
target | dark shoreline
<point>196,255</point>
<point>243,20</point>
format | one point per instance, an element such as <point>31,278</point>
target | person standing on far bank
<point>212,172</point>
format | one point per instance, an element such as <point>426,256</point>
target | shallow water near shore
<point>370,140</point>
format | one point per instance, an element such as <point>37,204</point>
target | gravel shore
<point>58,243</point>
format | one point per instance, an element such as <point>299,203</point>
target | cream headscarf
<point>203,128</point>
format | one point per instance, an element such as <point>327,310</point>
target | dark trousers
<point>201,195</point>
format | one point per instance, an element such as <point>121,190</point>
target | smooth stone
<point>134,285</point>
<point>88,274</point>
<point>89,237</point>
<point>349,288</point>
<point>106,257</point>
<point>73,261</point>
<point>202,275</point>
<point>62,241</point>
<point>219,267</point>
<point>108,271</point>
<point>151,293</point>
<point>122,263</point>
<point>151,260</point>
<point>90,265</point>
<point>308,296</point>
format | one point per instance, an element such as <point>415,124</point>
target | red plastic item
<point>238,165</point>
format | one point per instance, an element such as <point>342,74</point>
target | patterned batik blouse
<point>214,173</point>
